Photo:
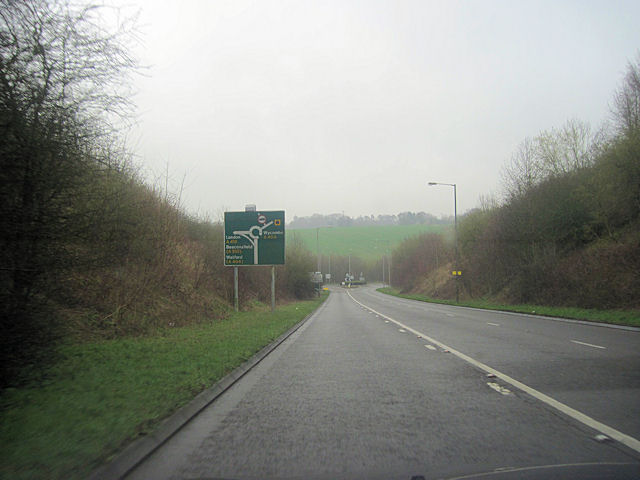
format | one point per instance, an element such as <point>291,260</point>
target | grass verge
<point>617,317</point>
<point>101,396</point>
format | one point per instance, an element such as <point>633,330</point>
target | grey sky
<point>322,107</point>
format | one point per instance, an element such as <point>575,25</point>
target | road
<point>374,386</point>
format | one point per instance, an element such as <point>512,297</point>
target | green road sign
<point>254,238</point>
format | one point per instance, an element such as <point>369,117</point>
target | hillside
<point>567,231</point>
<point>369,243</point>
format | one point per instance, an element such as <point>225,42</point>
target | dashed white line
<point>402,331</point>
<point>493,324</point>
<point>588,344</point>
<point>430,347</point>
<point>611,432</point>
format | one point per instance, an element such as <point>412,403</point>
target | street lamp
<point>318,243</point>
<point>455,220</point>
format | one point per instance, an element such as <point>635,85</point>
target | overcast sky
<point>332,106</point>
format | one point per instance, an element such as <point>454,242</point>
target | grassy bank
<point>100,396</point>
<point>617,317</point>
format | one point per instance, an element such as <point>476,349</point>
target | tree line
<point>567,230</point>
<point>341,220</point>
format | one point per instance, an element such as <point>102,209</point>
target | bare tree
<point>566,149</point>
<point>626,111</point>
<point>551,153</point>
<point>523,170</point>
<point>63,82</point>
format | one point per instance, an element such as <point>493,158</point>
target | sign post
<point>235,288</point>
<point>254,238</point>
<point>273,287</point>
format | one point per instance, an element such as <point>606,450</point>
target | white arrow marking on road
<point>498,388</point>
<point>623,438</point>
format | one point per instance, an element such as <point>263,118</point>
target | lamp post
<point>455,223</point>
<point>318,245</point>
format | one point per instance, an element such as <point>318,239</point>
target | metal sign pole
<point>273,287</point>
<point>235,288</point>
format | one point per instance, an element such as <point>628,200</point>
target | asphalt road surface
<point>374,386</point>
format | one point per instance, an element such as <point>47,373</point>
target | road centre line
<point>611,432</point>
<point>588,344</point>
<point>493,324</point>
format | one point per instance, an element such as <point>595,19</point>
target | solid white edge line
<point>623,438</point>
<point>540,467</point>
<point>588,344</point>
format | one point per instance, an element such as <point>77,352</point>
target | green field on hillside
<point>368,243</point>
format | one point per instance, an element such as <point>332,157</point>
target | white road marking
<point>623,438</point>
<point>588,344</point>
<point>430,347</point>
<point>402,331</point>
<point>499,389</point>
<point>493,324</point>
<point>450,315</point>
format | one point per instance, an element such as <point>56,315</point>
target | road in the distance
<point>353,395</point>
